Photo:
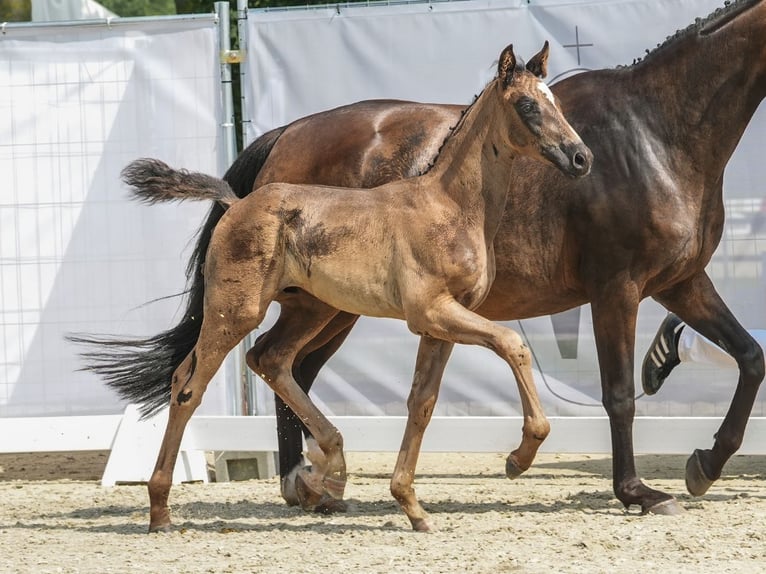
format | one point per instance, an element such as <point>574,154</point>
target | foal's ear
<point>538,65</point>
<point>506,65</point>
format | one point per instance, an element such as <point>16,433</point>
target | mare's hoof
<point>697,482</point>
<point>512,469</point>
<point>330,505</point>
<point>668,507</point>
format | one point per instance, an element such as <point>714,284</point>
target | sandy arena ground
<point>559,517</point>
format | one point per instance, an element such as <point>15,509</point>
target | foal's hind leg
<point>190,380</point>
<point>305,368</point>
<point>272,359</point>
<point>452,322</point>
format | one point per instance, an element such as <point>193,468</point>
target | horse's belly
<point>370,294</point>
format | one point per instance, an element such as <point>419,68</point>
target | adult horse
<point>644,224</point>
<point>418,249</point>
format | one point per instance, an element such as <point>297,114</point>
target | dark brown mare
<point>418,249</point>
<point>643,224</point>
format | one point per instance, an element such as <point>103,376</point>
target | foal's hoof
<point>668,507</point>
<point>697,482</point>
<point>512,468</point>
<point>308,494</point>
<point>167,527</point>
<point>422,525</point>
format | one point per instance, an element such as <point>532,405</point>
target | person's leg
<point>694,348</point>
<point>675,343</point>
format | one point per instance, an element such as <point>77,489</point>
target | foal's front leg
<point>453,323</point>
<point>429,368</point>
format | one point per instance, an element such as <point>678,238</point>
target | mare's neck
<point>474,165</point>
<point>702,92</point>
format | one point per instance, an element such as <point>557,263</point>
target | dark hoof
<point>666,508</point>
<point>330,505</point>
<point>697,482</point>
<point>512,469</point>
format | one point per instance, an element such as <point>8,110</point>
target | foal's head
<point>536,124</point>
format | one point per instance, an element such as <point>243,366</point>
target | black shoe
<point>662,356</point>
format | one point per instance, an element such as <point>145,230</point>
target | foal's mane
<point>520,66</point>
<point>702,26</point>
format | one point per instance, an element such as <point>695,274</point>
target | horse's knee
<point>517,350</point>
<point>619,406</point>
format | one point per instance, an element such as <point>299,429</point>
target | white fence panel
<point>77,103</point>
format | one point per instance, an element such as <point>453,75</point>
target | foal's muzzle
<point>574,159</point>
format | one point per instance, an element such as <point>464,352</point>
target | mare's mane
<point>702,26</point>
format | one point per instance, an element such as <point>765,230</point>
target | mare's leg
<point>189,382</point>
<point>272,358</point>
<point>450,321</point>
<point>699,305</point>
<point>429,367</point>
<point>614,325</point>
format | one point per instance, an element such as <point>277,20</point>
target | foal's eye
<point>527,106</point>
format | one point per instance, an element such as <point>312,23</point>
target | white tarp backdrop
<point>77,103</point>
<point>304,61</point>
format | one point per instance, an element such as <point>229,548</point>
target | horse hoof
<point>697,483</point>
<point>167,527</point>
<point>422,525</point>
<point>288,490</point>
<point>668,507</point>
<point>330,505</point>
<point>512,469</point>
<point>308,496</point>
<point>334,487</point>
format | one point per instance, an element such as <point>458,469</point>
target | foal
<point>418,249</point>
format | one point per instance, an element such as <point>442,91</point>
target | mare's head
<point>536,125</point>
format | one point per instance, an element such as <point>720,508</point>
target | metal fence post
<point>237,380</point>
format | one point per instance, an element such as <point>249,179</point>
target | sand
<point>561,516</point>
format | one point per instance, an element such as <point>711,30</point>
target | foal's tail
<point>140,370</point>
<point>153,181</point>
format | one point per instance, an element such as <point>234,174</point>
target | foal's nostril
<point>579,160</point>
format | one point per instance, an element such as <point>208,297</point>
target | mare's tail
<point>140,370</point>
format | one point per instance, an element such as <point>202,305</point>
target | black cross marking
<point>577,44</point>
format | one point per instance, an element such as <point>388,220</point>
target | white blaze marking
<point>543,87</point>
